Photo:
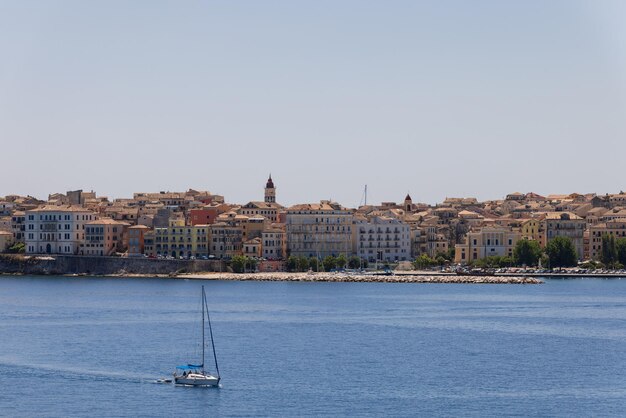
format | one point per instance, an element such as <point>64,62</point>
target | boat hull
<point>197,381</point>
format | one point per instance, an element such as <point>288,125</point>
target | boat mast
<point>203,302</point>
<point>217,369</point>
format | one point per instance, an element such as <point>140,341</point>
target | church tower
<point>408,203</point>
<point>270,191</point>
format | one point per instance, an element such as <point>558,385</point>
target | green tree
<point>609,250</point>
<point>354,262</point>
<point>292,263</point>
<point>620,247</point>
<point>423,262</point>
<point>314,264</point>
<point>441,260</point>
<point>303,263</point>
<point>561,252</point>
<point>251,263</point>
<point>527,252</point>
<point>493,261</point>
<point>341,261</point>
<point>17,248</point>
<point>238,263</point>
<point>329,263</point>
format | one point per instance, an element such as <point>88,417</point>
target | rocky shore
<point>363,278</point>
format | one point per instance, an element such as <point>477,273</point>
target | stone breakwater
<point>361,278</point>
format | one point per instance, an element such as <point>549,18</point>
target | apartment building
<point>319,230</point>
<point>565,224</point>
<point>56,229</point>
<point>382,239</point>
<point>104,237</point>
<point>486,242</point>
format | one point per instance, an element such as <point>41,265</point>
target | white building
<point>56,229</point>
<point>383,239</point>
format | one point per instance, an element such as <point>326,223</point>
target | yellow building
<point>616,228</point>
<point>182,241</point>
<point>6,240</point>
<point>486,242</point>
<point>531,230</point>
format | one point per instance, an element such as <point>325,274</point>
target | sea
<point>83,346</point>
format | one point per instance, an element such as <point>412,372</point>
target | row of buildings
<point>198,224</point>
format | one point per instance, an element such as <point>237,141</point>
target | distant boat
<point>195,374</point>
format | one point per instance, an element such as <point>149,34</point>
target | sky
<point>436,98</point>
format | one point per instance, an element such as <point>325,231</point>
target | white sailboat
<point>195,374</point>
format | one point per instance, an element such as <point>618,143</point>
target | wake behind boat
<point>195,374</point>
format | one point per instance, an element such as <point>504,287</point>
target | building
<point>382,239</point>
<point>104,237</point>
<point>252,247</point>
<point>136,240</point>
<point>616,228</point>
<point>486,242</point>
<point>319,230</point>
<point>274,244</point>
<point>565,224</point>
<point>6,240</point>
<point>148,244</point>
<point>18,225</point>
<point>226,239</point>
<point>56,229</point>
<point>531,230</point>
<point>270,191</point>
<point>182,241</point>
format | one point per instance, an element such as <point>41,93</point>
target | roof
<point>62,208</point>
<point>562,216</point>
<point>106,221</point>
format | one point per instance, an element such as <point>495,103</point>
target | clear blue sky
<point>439,98</point>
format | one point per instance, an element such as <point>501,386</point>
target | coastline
<point>360,278</point>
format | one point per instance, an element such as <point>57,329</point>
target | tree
<point>527,252</point>
<point>251,263</point>
<point>609,250</point>
<point>314,264</point>
<point>423,262</point>
<point>341,261</point>
<point>354,262</point>
<point>493,261</point>
<point>620,249</point>
<point>238,263</point>
<point>17,248</point>
<point>561,252</point>
<point>303,263</point>
<point>292,263</point>
<point>329,263</point>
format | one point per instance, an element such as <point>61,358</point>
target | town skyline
<point>201,224</point>
<point>371,195</point>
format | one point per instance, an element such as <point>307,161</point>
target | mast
<point>203,301</point>
<point>217,369</point>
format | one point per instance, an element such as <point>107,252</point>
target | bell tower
<point>408,204</point>
<point>270,191</point>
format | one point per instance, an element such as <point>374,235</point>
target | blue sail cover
<point>190,366</point>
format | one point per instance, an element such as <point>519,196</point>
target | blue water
<point>94,347</point>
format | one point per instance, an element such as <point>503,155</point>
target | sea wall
<point>57,264</point>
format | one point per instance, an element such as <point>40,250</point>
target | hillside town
<point>201,225</point>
